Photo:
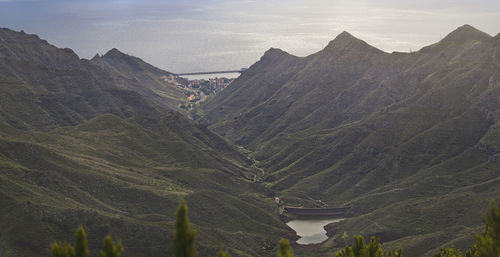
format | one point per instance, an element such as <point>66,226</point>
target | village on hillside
<point>197,90</point>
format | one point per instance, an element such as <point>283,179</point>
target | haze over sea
<point>201,35</point>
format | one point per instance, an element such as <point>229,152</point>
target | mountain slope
<point>398,137</point>
<point>77,148</point>
<point>132,73</point>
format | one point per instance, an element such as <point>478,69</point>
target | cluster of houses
<point>197,89</point>
<point>214,85</point>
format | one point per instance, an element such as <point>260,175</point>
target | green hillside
<point>79,148</point>
<point>409,141</point>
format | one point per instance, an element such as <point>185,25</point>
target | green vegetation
<point>184,234</point>
<point>110,249</point>
<point>397,138</point>
<point>359,248</point>
<point>487,243</point>
<point>222,253</point>
<point>80,249</point>
<point>449,252</point>
<point>284,249</point>
<point>66,250</point>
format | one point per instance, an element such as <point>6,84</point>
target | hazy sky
<point>194,35</point>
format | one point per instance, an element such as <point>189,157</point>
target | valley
<point>407,140</point>
<point>90,143</point>
<point>401,146</point>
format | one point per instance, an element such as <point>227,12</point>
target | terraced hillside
<point>79,147</point>
<point>410,141</point>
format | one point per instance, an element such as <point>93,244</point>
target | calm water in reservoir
<point>311,231</point>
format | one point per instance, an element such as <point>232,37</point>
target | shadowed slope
<point>76,148</point>
<point>132,73</point>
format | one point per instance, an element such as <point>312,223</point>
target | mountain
<point>79,147</point>
<point>130,72</point>
<point>409,141</point>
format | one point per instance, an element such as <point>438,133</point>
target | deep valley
<point>408,144</point>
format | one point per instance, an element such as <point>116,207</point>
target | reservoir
<point>311,231</point>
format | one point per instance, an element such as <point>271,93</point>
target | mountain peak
<point>346,36</point>
<point>347,40</point>
<point>274,53</point>
<point>465,33</point>
<point>96,57</point>
<point>113,53</point>
<point>127,63</point>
